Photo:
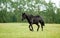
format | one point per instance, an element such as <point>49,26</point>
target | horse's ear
<point>23,13</point>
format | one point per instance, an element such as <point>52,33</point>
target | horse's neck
<point>28,17</point>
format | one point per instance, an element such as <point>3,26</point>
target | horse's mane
<point>30,15</point>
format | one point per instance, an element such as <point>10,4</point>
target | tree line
<point>11,10</point>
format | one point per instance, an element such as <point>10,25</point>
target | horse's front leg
<point>30,27</point>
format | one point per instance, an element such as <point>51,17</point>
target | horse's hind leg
<point>38,26</point>
<point>42,27</point>
<point>42,24</point>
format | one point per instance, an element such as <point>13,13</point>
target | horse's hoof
<point>31,30</point>
<point>37,30</point>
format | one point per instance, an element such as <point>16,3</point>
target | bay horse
<point>33,20</point>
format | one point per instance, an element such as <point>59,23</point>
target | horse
<point>33,20</point>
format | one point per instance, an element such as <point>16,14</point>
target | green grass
<point>21,30</point>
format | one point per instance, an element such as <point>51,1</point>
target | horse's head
<point>23,16</point>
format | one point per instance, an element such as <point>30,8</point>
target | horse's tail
<point>42,23</point>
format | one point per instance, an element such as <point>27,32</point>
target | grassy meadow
<point>21,30</point>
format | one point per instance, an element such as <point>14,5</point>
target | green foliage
<point>30,7</point>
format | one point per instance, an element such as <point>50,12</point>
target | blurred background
<point>11,10</point>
